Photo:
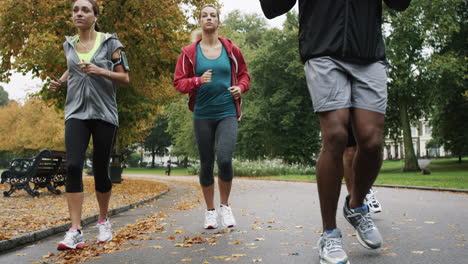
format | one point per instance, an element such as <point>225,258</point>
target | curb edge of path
<point>423,188</point>
<point>38,235</point>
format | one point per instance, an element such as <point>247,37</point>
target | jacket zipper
<point>98,49</point>
<point>345,27</point>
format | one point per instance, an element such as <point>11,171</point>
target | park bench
<point>46,170</point>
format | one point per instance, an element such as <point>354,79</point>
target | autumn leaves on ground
<point>49,210</point>
<point>21,213</point>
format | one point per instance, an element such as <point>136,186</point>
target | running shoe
<point>105,231</point>
<point>227,218</point>
<point>73,240</point>
<point>211,219</point>
<point>331,248</point>
<point>367,233</point>
<point>372,203</point>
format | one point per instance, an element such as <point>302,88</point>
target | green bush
<point>262,168</point>
<point>5,158</point>
<point>134,160</point>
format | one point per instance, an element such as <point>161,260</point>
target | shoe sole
<point>360,240</point>
<point>63,247</point>
<point>364,243</point>
<point>228,226</point>
<point>105,241</point>
<point>326,262</point>
<point>211,227</point>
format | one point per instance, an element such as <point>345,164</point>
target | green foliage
<point>5,158</point>
<point>3,97</point>
<point>134,160</point>
<point>416,37</point>
<point>262,168</point>
<point>180,127</point>
<point>278,120</point>
<point>448,69</point>
<point>244,29</point>
<point>159,139</point>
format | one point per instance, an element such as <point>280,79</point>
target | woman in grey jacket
<point>95,63</point>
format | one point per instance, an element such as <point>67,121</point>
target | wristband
<point>197,81</point>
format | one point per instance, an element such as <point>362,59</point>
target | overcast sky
<point>20,86</point>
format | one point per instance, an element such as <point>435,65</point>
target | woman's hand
<point>90,69</point>
<point>206,77</point>
<point>235,91</point>
<point>55,84</point>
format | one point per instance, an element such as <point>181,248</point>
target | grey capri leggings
<point>207,132</point>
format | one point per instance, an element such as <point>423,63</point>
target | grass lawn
<point>446,173</point>
<point>155,171</point>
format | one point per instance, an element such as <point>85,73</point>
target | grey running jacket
<point>91,96</point>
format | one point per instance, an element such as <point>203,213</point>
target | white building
<point>421,135</point>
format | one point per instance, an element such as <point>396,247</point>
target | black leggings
<point>77,134</point>
<point>224,130</point>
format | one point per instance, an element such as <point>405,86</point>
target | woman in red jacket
<point>213,72</point>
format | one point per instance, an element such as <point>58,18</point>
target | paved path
<point>279,222</point>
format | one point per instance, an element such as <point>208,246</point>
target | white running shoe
<point>372,203</point>
<point>73,240</point>
<point>227,218</point>
<point>211,219</point>
<point>331,248</point>
<point>105,231</point>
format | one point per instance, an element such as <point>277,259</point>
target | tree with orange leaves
<point>24,129</point>
<point>32,33</point>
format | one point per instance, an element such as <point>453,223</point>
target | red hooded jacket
<point>185,80</point>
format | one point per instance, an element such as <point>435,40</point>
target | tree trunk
<point>459,159</point>
<point>153,156</point>
<point>411,162</point>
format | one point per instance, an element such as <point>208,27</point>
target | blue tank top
<point>214,100</point>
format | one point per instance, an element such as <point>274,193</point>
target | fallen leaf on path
<point>220,257</point>
<point>194,240</point>
<point>386,248</point>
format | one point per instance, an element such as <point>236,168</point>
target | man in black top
<point>342,47</point>
<point>168,168</point>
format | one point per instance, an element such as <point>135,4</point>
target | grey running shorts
<point>334,84</point>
